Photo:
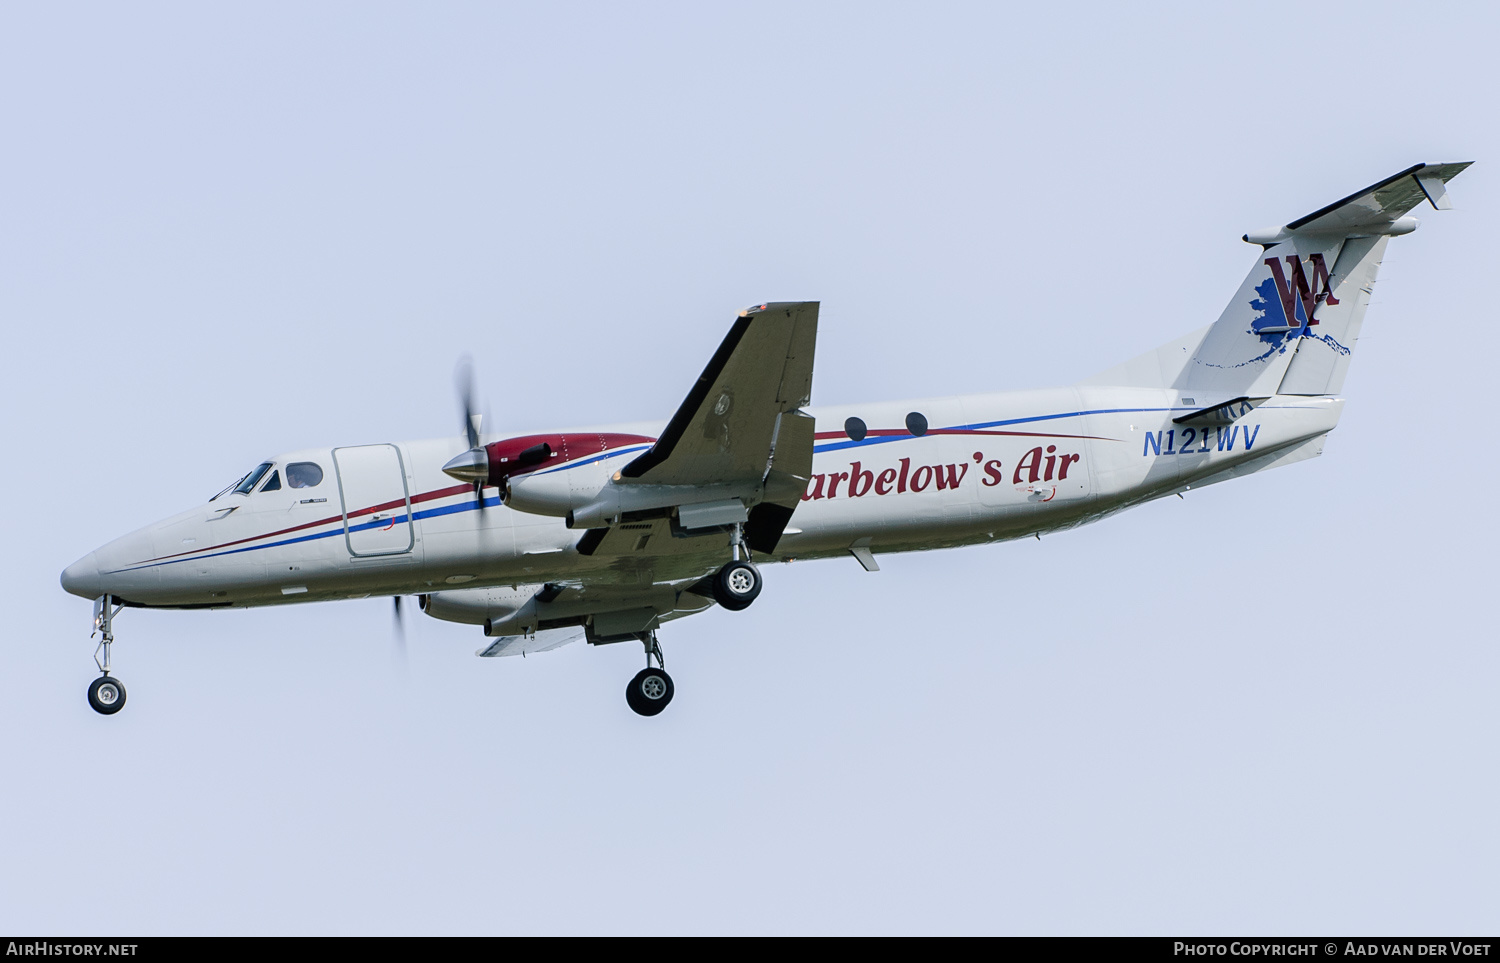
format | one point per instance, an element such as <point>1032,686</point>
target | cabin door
<point>376,501</point>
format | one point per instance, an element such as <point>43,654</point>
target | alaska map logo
<point>1287,305</point>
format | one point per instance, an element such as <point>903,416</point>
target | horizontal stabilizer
<point>1222,414</point>
<point>1378,209</point>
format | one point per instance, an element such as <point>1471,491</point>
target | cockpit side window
<point>304,474</point>
<point>274,485</point>
<point>248,483</point>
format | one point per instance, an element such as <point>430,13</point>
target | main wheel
<point>649,692</point>
<point>736,585</point>
<point>106,695</point>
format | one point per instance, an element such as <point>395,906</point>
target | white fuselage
<point>385,520</point>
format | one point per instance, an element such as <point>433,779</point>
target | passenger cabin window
<point>304,474</point>
<point>274,485</point>
<point>916,423</point>
<point>855,428</point>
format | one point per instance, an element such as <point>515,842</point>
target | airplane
<point>607,533</point>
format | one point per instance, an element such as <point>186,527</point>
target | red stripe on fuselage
<point>575,446</point>
<point>415,499</point>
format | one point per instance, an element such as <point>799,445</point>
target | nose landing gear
<point>106,694</point>
<point>651,689</point>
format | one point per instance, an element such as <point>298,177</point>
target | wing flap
<point>1224,413</point>
<point>647,538</point>
<point>542,641</point>
<point>786,481</point>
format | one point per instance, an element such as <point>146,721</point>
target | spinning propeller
<point>474,464</point>
<point>399,627</point>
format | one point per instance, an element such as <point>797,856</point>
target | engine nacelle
<point>526,453</point>
<point>480,606</point>
<point>570,476</point>
<point>524,468</point>
<point>556,492</point>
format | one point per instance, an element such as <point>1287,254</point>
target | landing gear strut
<point>106,694</point>
<point>738,583</point>
<point>651,689</point>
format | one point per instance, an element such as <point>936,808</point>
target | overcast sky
<point>1266,708</point>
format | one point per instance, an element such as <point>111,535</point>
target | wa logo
<point>1288,300</point>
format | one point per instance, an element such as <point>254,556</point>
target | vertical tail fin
<point>1291,326</point>
<point>1325,339</point>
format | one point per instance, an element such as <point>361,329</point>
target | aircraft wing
<point>723,431</point>
<point>739,434</point>
<point>600,612</point>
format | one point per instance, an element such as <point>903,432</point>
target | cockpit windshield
<point>246,484</point>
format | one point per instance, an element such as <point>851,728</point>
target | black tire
<point>107,695</point>
<point>649,692</point>
<point>737,585</point>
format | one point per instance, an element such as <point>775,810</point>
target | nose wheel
<point>106,694</point>
<point>651,689</point>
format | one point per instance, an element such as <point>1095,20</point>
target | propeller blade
<point>474,463</point>
<point>463,378</point>
<point>400,627</point>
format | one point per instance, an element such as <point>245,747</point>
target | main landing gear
<point>734,586</point>
<point>106,694</point>
<point>738,583</point>
<point>651,689</point>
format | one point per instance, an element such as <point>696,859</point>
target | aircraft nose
<point>82,578</point>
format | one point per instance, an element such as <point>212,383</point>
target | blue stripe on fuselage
<point>471,506</point>
<point>590,461</point>
<point>979,426</point>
